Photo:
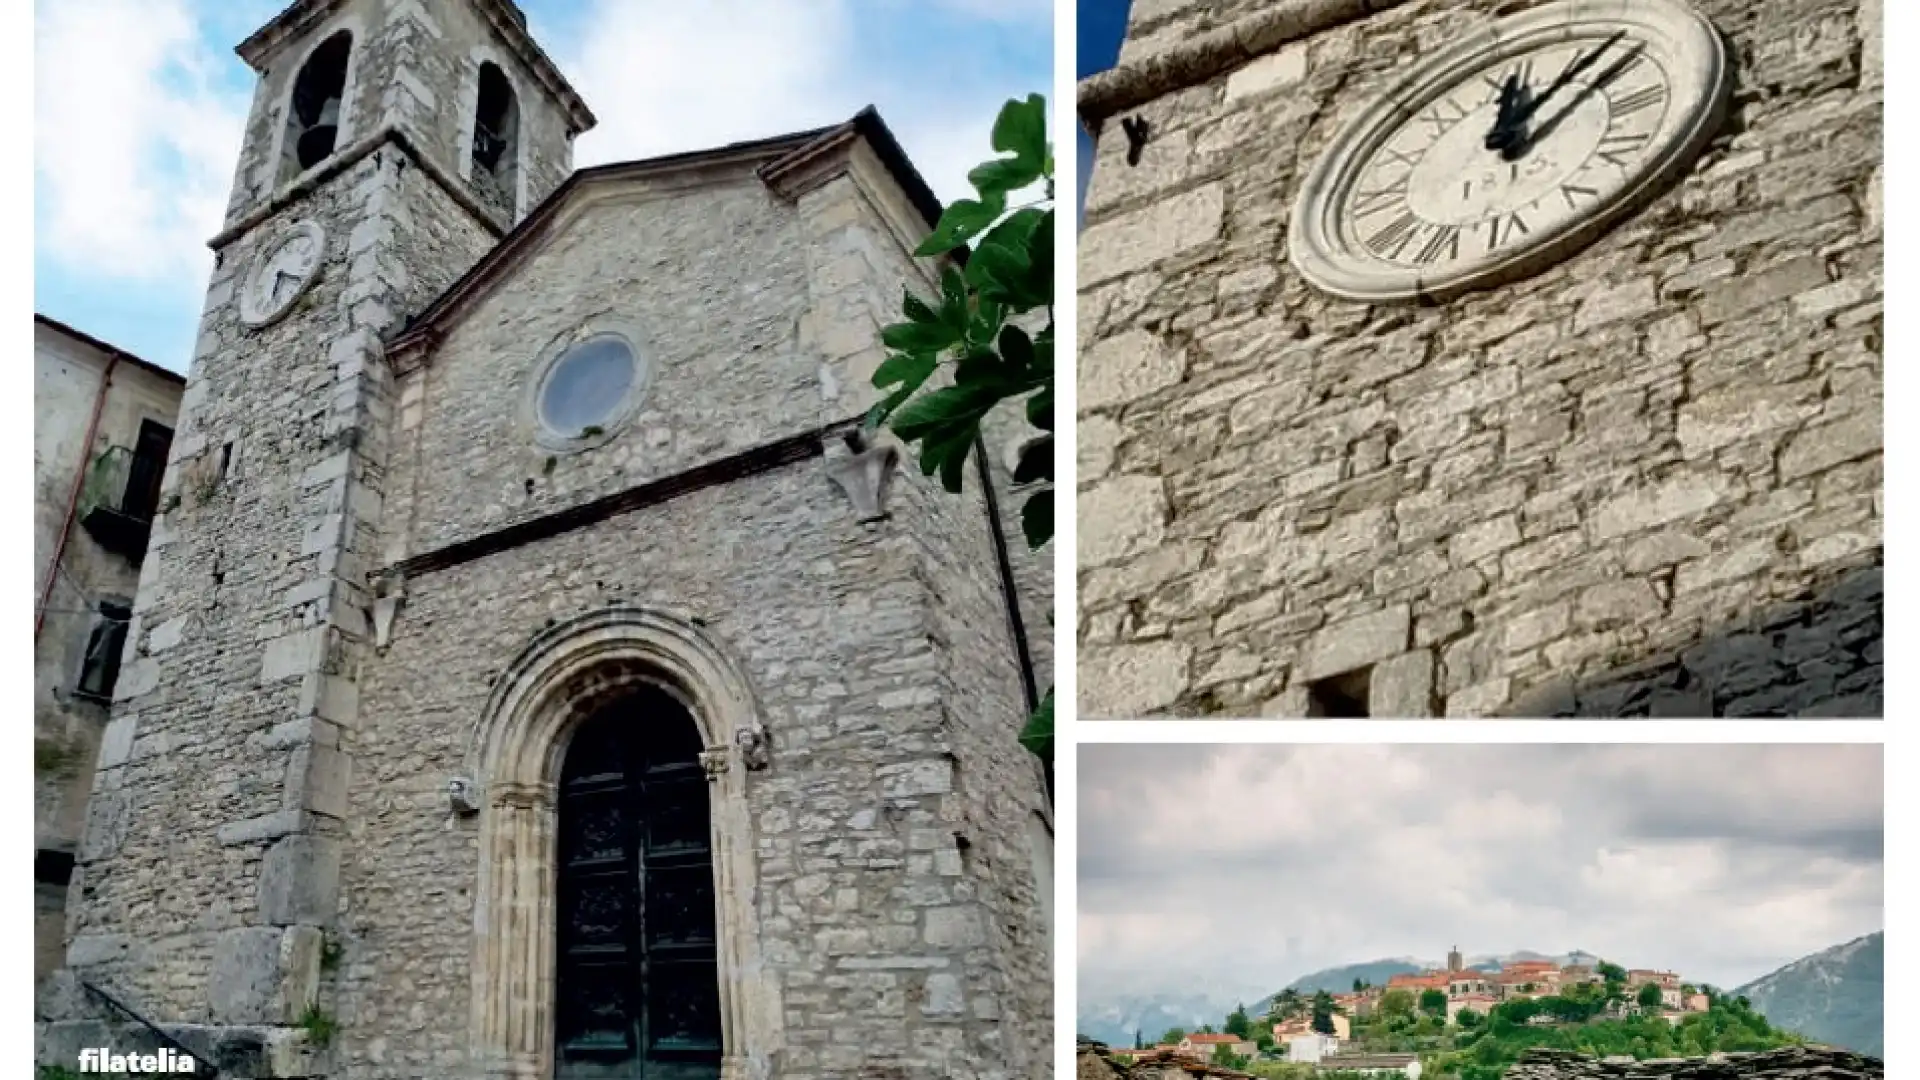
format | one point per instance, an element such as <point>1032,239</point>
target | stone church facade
<point>532,672</point>
<point>1642,480</point>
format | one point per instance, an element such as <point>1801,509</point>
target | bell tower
<point>391,144</point>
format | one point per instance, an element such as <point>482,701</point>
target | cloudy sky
<point>139,106</point>
<point>1232,871</point>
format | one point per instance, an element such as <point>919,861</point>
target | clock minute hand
<point>1586,61</point>
<point>1614,71</point>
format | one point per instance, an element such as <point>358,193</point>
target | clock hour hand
<point>1508,130</point>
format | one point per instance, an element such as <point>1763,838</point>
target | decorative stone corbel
<point>756,749</point>
<point>389,592</point>
<point>864,472</point>
<point>714,760</point>
<point>463,796</point>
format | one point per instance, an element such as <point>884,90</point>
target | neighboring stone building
<point>536,676</point>
<point>102,423</point>
<point>1641,479</point>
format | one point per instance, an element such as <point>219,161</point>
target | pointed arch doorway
<point>637,996</point>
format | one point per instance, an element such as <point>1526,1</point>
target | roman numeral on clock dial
<point>1391,240</point>
<point>1370,202</point>
<point>1644,98</point>
<point>1616,150</point>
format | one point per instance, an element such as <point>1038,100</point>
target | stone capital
<point>864,472</point>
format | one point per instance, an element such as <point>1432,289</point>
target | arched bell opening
<point>496,138</point>
<point>313,112</point>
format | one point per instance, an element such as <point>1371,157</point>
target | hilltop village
<point>1381,1030</point>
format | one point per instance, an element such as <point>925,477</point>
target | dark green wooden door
<point>637,991</point>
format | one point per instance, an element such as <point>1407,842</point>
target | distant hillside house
<point>1665,980</point>
<point>1697,1003</point>
<point>1312,1047</point>
<point>1480,1003</point>
<point>1203,1046</point>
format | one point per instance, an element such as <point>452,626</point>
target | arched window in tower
<point>496,139</point>
<point>313,115</point>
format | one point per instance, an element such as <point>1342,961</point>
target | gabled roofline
<point>772,153</point>
<point>111,350</point>
<point>504,16</point>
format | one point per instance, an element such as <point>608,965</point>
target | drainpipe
<point>73,500</point>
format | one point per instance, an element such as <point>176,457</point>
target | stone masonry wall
<point>869,912</point>
<point>706,283</point>
<point>209,869</point>
<point>1788,1064</point>
<point>1643,449</point>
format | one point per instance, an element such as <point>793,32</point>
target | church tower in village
<point>532,673</point>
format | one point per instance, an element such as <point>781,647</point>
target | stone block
<point>317,781</point>
<point>300,881</point>
<point>1127,682</point>
<point>943,996</point>
<point>1401,687</point>
<point>167,634</point>
<point>955,927</point>
<point>1137,240</point>
<point>1855,435</point>
<point>1125,368</point>
<point>248,984</point>
<point>1657,504</point>
<point>915,778</point>
<point>1274,71</point>
<point>137,679</point>
<point>1482,700</point>
<point>1096,444</point>
<point>291,655</point>
<point>1738,296</point>
<point>1355,643</point>
<point>116,742</point>
<point>1614,603</point>
<point>264,827</point>
<point>1120,517</point>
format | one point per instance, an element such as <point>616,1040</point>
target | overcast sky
<point>139,105</point>
<point>1233,870</point>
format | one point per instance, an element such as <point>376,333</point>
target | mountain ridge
<point>1834,996</point>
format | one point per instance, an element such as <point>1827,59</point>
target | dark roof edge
<point>111,350</point>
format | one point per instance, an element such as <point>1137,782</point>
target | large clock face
<point>285,267</point>
<point>1509,149</point>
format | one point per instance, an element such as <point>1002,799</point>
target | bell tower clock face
<point>1510,149</point>
<point>285,266</point>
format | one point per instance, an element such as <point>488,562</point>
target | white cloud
<point>664,76</point>
<point>1233,870</point>
<point>134,142</point>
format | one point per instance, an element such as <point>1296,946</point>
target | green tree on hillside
<point>1323,1013</point>
<point>1286,1003</point>
<point>1433,1002</point>
<point>1239,1025</point>
<point>1611,972</point>
<point>1649,996</point>
<point>1137,1044</point>
<point>1359,985</point>
<point>1396,1003</point>
<point>1173,1036</point>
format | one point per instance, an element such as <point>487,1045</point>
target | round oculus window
<point>584,392</point>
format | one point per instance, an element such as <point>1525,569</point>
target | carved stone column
<point>513,977</point>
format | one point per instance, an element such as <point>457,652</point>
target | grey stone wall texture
<point>366,553</point>
<point>1788,1064</point>
<point>1645,479</point>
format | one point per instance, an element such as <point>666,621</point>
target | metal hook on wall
<point>1136,131</point>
